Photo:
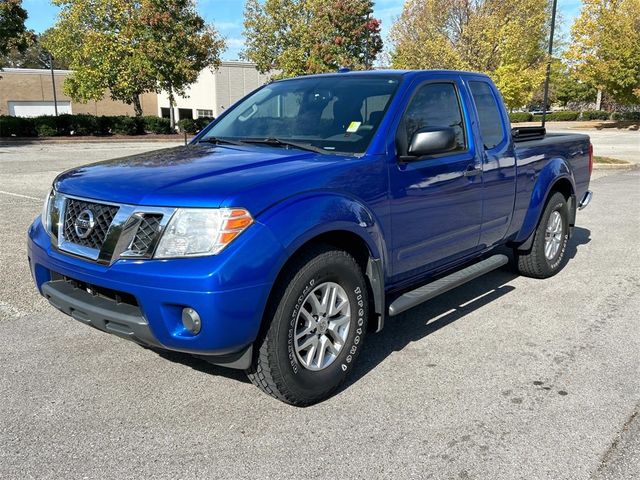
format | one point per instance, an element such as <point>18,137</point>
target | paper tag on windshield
<point>353,127</point>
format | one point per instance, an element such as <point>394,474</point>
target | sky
<point>226,15</point>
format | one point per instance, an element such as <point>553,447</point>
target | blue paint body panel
<point>419,218</point>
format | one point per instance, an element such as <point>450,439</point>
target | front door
<point>436,201</point>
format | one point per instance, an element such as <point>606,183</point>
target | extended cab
<point>304,216</point>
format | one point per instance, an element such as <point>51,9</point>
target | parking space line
<point>19,195</point>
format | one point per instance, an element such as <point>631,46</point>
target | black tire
<point>534,263</point>
<point>276,368</point>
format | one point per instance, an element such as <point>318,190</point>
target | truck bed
<point>550,152</point>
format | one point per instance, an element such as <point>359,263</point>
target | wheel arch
<point>360,249</point>
<point>557,176</point>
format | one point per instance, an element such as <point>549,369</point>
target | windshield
<point>330,114</point>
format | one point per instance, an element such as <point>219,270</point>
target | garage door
<point>35,109</point>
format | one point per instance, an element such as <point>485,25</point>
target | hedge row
<point>193,126</point>
<point>520,117</point>
<point>631,116</point>
<point>567,115</point>
<point>83,125</point>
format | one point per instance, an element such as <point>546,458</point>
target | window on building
<point>165,112</point>
<point>205,113</point>
<point>185,113</point>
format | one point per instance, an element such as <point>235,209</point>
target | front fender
<point>555,170</point>
<point>302,218</point>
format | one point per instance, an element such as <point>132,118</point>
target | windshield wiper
<point>285,143</point>
<point>219,141</point>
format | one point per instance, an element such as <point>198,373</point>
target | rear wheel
<point>546,257</point>
<point>318,319</point>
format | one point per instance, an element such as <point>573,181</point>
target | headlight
<point>45,216</point>
<point>194,232</point>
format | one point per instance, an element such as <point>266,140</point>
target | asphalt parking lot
<point>503,378</point>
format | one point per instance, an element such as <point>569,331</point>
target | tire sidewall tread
<point>276,369</point>
<point>534,263</point>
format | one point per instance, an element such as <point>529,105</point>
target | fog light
<point>191,320</point>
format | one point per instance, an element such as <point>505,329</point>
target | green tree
<point>297,37</point>
<point>13,34</point>
<point>179,44</point>
<point>130,48</point>
<point>564,87</point>
<point>34,56</point>
<point>505,39</point>
<point>605,49</point>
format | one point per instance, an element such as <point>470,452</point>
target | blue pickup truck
<point>304,216</point>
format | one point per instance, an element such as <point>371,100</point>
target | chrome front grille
<point>105,232</point>
<point>147,234</point>
<point>102,216</point>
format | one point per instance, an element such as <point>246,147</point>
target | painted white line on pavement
<point>19,195</point>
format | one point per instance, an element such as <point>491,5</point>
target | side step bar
<point>444,284</point>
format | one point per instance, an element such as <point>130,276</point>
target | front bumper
<point>229,295</point>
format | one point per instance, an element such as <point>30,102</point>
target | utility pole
<point>53,83</point>
<point>546,81</point>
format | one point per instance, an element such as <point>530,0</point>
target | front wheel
<point>318,319</point>
<point>546,257</point>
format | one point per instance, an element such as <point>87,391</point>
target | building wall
<point>32,85</point>
<point>235,80</point>
<point>199,96</point>
<point>216,90</point>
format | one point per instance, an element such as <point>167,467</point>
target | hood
<point>193,175</point>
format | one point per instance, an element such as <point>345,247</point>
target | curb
<point>9,141</point>
<point>615,166</point>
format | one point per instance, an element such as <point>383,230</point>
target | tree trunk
<point>172,113</point>
<point>137,106</point>
<point>599,99</point>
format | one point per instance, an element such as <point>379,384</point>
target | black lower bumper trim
<point>123,319</point>
<point>102,313</point>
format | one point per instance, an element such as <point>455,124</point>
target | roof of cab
<point>383,72</point>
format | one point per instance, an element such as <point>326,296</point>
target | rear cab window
<point>491,124</point>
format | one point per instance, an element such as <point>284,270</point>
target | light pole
<point>546,81</point>
<point>53,83</point>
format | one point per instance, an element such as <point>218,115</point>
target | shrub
<point>629,116</point>
<point>45,130</point>
<point>64,123</point>
<point>188,125</point>
<point>595,115</point>
<point>104,125</point>
<point>123,125</point>
<point>203,122</point>
<point>83,124</point>
<point>16,127</point>
<point>46,126</point>
<point>564,116</point>
<point>157,125</point>
<point>193,126</point>
<point>519,117</point>
<point>561,116</point>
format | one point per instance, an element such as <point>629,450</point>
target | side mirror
<point>432,140</point>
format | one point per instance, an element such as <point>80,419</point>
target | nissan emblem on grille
<point>84,224</point>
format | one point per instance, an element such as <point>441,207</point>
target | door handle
<point>472,172</point>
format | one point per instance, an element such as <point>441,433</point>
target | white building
<point>214,91</point>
